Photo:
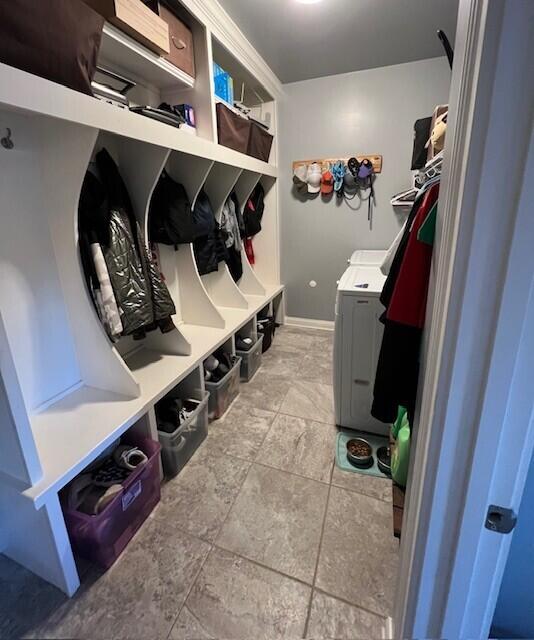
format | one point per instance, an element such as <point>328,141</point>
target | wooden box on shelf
<point>137,20</point>
<point>181,46</point>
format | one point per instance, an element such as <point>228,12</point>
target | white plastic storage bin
<point>250,360</point>
<point>222,393</point>
<point>178,447</point>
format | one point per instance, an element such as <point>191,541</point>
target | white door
<point>475,415</point>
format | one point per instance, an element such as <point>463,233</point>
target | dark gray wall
<point>339,116</point>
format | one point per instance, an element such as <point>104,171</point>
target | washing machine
<point>357,341</point>
<point>367,258</point>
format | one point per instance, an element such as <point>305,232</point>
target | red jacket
<point>408,302</point>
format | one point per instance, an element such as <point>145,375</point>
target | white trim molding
<point>309,323</point>
<point>443,589</point>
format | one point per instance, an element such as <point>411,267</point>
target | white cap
<point>313,178</point>
<point>301,172</point>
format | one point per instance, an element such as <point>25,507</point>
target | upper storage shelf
<point>31,94</point>
<point>123,53</point>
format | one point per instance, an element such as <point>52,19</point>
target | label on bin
<point>131,495</point>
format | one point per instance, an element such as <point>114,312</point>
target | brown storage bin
<point>181,53</point>
<point>58,40</point>
<point>137,20</point>
<point>259,143</point>
<point>233,130</point>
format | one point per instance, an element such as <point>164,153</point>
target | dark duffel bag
<point>56,39</point>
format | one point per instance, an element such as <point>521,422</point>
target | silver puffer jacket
<point>142,297</point>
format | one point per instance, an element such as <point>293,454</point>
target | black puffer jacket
<point>142,296</point>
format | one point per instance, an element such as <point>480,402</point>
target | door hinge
<point>500,520</point>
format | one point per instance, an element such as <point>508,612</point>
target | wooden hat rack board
<point>347,179</point>
<point>326,162</point>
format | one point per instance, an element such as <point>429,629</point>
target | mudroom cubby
<point>66,390</point>
<point>222,387</point>
<point>180,441</point>
<point>102,520</point>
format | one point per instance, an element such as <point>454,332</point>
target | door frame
<point>451,567</point>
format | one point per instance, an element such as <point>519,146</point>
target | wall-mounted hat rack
<point>374,158</point>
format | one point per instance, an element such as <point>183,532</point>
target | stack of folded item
<point>92,491</point>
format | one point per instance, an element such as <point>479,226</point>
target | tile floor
<point>244,544</point>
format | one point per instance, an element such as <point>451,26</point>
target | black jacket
<point>106,215</point>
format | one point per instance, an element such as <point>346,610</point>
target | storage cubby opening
<point>107,502</point>
<point>177,262</point>
<point>266,312</point>
<point>266,242</point>
<point>139,166</point>
<point>248,330</point>
<point>182,421</point>
<point>247,88</point>
<point>221,378</point>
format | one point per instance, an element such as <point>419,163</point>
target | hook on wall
<point>6,141</point>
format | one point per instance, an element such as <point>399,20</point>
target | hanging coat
<point>141,294</point>
<point>404,295</point>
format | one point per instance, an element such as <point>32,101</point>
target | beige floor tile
<point>359,555</point>
<point>199,498</point>
<point>234,598</point>
<point>300,446</point>
<point>240,433</point>
<point>276,520</point>
<point>332,618</point>
<point>311,400</point>
<point>140,596</point>
<point>368,485</point>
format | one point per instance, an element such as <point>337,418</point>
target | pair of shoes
<point>90,493</point>
<point>171,413</point>
<point>243,344</point>
<point>225,361</point>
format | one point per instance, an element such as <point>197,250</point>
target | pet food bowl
<point>360,453</point>
<point>383,460</point>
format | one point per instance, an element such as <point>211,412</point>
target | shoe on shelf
<point>211,363</point>
<point>243,344</point>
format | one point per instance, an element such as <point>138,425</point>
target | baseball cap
<point>349,182</point>
<point>327,182</point>
<point>338,170</point>
<point>314,178</point>
<point>300,178</point>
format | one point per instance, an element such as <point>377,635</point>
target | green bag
<point>396,426</point>
<point>401,454</point>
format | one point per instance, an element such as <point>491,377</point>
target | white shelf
<point>125,54</point>
<point>72,432</point>
<point>21,91</point>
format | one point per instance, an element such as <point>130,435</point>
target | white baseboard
<point>308,323</point>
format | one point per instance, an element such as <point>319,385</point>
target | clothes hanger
<point>404,198</point>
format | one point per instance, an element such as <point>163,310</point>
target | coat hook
<point>6,141</point>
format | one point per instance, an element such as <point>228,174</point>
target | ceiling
<point>302,41</point>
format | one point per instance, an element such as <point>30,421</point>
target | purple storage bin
<point>102,538</point>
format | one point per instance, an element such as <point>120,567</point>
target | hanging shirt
<point>427,232</point>
<point>408,302</point>
<point>404,296</point>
